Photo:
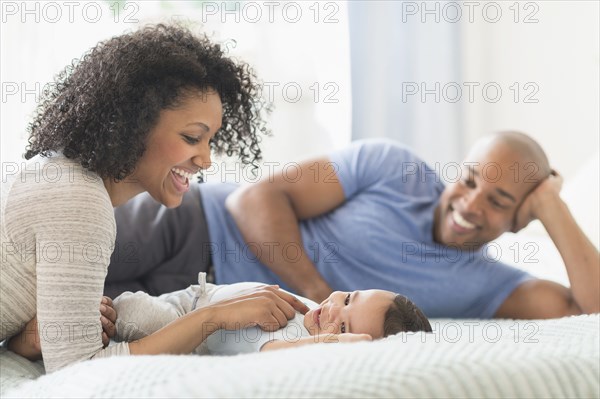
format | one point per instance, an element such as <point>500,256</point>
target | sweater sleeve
<point>74,238</point>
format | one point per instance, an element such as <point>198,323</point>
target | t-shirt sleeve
<point>497,281</point>
<point>74,240</point>
<point>365,163</point>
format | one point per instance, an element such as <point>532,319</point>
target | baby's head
<point>378,313</point>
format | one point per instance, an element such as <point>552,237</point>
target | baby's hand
<point>343,338</point>
<point>349,337</point>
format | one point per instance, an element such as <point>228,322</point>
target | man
<point>373,215</point>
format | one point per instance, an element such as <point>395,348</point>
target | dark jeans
<point>158,250</point>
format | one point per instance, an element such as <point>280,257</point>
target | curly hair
<point>100,109</point>
<point>404,315</point>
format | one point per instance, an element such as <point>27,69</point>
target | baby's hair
<point>404,315</point>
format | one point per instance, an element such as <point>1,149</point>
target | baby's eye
<point>469,183</point>
<point>343,328</point>
<point>347,301</point>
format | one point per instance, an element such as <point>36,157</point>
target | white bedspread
<point>463,358</point>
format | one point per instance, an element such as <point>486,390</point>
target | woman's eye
<point>191,140</point>
<point>343,328</point>
<point>347,301</point>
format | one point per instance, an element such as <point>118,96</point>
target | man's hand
<point>27,342</point>
<point>538,201</point>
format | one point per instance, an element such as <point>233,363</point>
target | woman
<point>139,112</point>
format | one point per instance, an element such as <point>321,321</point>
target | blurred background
<point>434,75</point>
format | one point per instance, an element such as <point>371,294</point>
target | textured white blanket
<point>463,358</point>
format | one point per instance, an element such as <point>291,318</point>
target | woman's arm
<point>269,308</point>
<point>266,306</point>
<point>27,342</point>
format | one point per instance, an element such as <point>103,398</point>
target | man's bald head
<point>525,151</point>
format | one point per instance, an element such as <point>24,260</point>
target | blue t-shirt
<point>380,237</point>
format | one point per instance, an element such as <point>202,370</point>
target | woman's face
<point>358,312</point>
<point>177,147</point>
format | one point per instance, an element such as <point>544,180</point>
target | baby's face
<point>358,312</point>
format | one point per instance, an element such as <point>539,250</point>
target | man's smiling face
<point>482,205</point>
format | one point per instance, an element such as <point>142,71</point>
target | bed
<point>557,358</point>
<point>463,358</point>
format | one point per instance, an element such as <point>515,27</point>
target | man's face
<point>482,205</point>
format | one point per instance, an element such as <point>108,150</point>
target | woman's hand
<point>108,318</point>
<point>295,303</point>
<point>27,342</point>
<point>266,306</point>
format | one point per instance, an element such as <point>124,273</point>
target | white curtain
<point>399,68</point>
<point>529,66</point>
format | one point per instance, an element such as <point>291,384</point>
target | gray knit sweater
<point>58,232</point>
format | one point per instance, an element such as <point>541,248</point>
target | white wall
<point>560,56</point>
<point>290,45</point>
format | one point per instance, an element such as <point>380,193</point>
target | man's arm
<point>268,212</point>
<point>539,299</point>
<point>543,299</point>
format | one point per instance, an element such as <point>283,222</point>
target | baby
<point>343,317</point>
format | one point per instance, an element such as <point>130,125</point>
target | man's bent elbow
<point>235,201</point>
